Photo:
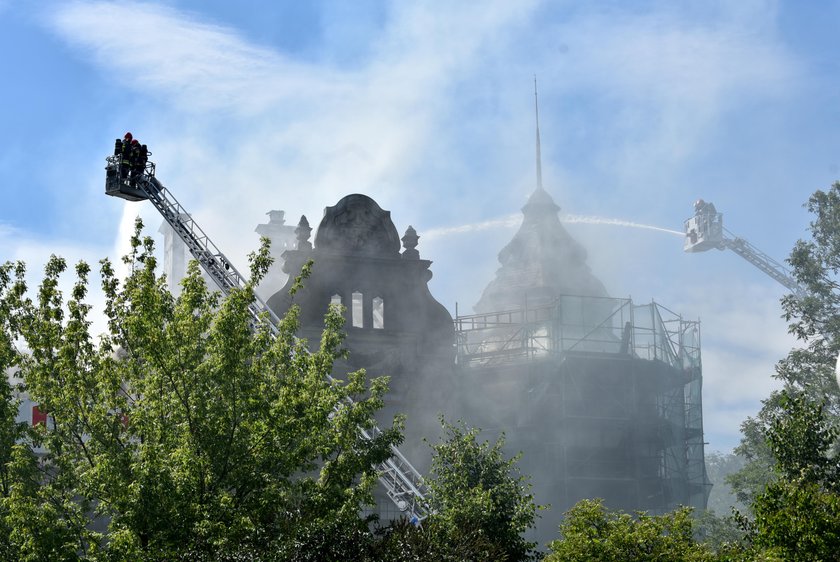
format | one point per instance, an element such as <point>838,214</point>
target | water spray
<point>583,219</point>
<point>511,221</point>
<point>505,222</point>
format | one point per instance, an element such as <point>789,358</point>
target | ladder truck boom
<point>402,482</point>
<point>704,231</point>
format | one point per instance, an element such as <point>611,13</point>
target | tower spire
<point>537,113</point>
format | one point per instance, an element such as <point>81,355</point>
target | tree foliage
<point>435,540</point>
<point>590,531</point>
<point>797,516</point>
<point>814,318</point>
<point>791,478</point>
<point>801,437</point>
<point>479,497</point>
<point>187,430</point>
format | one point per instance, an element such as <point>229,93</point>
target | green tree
<point>797,517</point>
<point>791,478</point>
<point>479,498</point>
<point>757,472</point>
<point>592,532</point>
<point>434,540</point>
<point>814,318</point>
<point>801,438</point>
<point>9,430</point>
<point>188,428</point>
<point>38,519</point>
<point>720,533</point>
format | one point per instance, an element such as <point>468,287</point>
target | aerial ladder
<point>403,484</point>
<point>704,231</point>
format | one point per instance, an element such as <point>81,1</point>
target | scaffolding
<point>610,393</point>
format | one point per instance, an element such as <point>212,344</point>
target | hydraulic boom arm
<point>705,231</point>
<point>403,484</point>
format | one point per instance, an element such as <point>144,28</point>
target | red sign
<point>38,416</point>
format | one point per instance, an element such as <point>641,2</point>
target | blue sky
<point>428,107</point>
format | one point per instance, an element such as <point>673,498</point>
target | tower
<point>282,237</point>
<point>601,395</point>
<point>542,261</point>
<point>175,257</point>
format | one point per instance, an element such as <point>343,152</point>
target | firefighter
<point>134,160</point>
<point>125,156</point>
<point>113,170</point>
<point>144,157</point>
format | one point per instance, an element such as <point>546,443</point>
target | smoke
<point>511,221</point>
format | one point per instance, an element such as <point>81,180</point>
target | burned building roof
<point>357,263</point>
<point>540,263</point>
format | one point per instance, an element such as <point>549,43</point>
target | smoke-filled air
<point>394,280</point>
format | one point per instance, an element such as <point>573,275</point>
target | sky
<point>428,107</point>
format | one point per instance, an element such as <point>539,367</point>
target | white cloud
<point>202,67</point>
<point>313,133</point>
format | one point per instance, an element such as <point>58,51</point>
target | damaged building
<point>600,394</point>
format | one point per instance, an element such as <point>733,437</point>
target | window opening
<point>358,309</point>
<point>378,313</point>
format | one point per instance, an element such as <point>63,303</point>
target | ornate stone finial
<point>410,240</point>
<point>276,224</point>
<point>303,232</point>
<point>277,217</point>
